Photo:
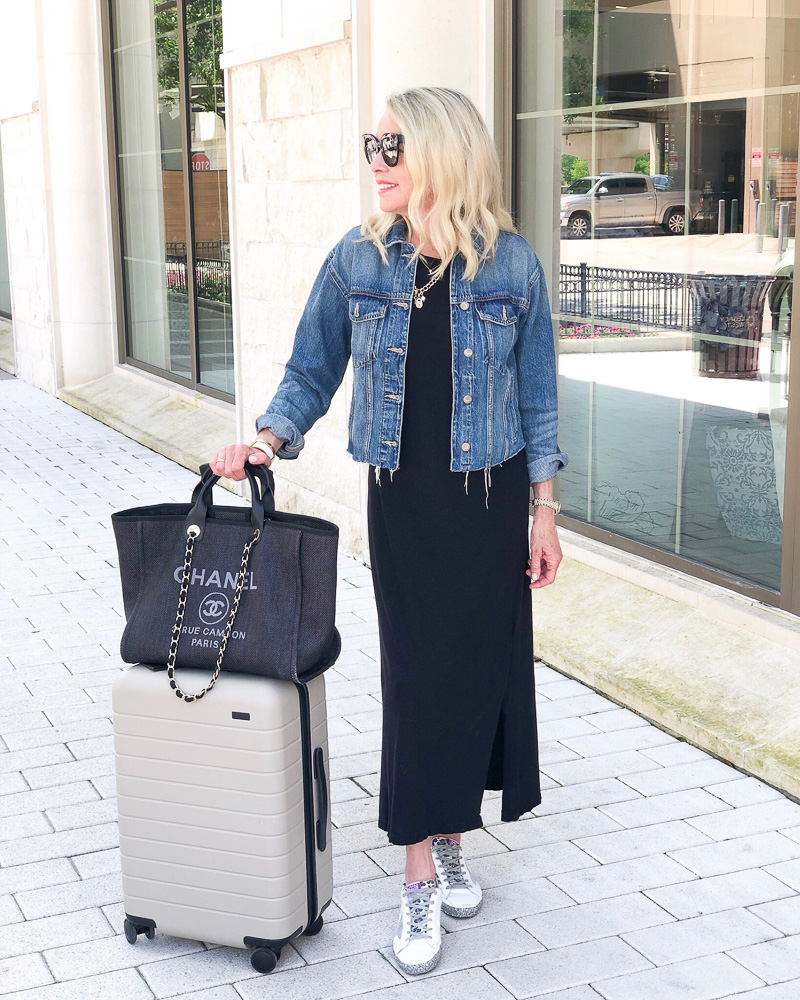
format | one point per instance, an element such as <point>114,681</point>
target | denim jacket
<point>504,376</point>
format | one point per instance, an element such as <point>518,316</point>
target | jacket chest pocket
<point>366,313</point>
<point>499,323</point>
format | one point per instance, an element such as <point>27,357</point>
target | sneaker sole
<point>422,967</point>
<point>460,912</point>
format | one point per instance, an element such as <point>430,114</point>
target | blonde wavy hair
<point>454,164</point>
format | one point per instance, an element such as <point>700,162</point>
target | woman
<point>444,311</point>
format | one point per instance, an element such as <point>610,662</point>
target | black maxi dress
<point>454,611</point>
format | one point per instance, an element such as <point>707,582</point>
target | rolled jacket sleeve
<point>317,364</point>
<point>538,398</point>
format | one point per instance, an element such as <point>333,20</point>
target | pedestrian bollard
<point>760,206</point>
<point>721,217</point>
<point>784,216</point>
<point>734,215</point>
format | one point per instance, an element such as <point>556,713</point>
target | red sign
<point>200,161</point>
<point>755,157</point>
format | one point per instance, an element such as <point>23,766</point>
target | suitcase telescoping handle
<point>321,777</point>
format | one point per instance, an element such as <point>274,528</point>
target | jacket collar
<point>397,234</point>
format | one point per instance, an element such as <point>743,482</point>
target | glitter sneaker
<point>418,941</point>
<point>461,894</point>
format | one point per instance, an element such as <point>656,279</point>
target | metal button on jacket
<point>465,446</point>
<point>467,398</point>
<point>467,352</point>
<point>464,305</point>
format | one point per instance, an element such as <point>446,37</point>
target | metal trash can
<point>727,311</point>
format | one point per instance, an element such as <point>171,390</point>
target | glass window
<point>7,354</point>
<point>5,286</point>
<point>610,186</point>
<point>672,302</point>
<point>210,194</point>
<point>582,186</point>
<point>173,192</point>
<point>635,185</point>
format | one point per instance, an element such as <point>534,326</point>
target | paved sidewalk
<point>650,870</point>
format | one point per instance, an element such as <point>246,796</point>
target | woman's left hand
<point>545,551</point>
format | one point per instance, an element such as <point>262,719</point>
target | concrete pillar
<point>73,137</point>
<point>409,51</point>
<point>656,152</point>
<point>539,137</point>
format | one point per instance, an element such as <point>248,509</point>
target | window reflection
<point>673,191</point>
<point>162,293</point>
<point>210,193</point>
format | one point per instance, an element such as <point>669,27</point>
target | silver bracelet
<point>543,502</point>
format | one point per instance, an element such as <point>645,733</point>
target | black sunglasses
<point>390,144</point>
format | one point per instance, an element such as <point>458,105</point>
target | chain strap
<point>191,535</point>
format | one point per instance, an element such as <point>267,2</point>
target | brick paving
<point>649,870</point>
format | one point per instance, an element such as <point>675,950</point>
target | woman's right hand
<point>229,462</point>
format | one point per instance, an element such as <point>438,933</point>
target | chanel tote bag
<point>248,589</point>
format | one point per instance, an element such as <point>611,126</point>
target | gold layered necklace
<point>419,293</point>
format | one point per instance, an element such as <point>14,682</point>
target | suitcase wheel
<point>314,927</point>
<point>264,959</point>
<point>132,931</point>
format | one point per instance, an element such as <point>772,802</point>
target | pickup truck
<point>622,200</point>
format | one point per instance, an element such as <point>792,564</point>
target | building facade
<point>175,171</point>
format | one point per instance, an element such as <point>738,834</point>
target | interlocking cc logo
<point>214,608</point>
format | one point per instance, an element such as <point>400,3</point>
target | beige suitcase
<point>224,821</point>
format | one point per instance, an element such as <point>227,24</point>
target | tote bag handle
<point>263,474</point>
<point>262,497</point>
<point>195,525</point>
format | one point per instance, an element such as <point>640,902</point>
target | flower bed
<point>587,331</point>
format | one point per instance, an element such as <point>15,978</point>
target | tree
<point>578,68</point>
<point>572,168</point>
<point>203,49</point>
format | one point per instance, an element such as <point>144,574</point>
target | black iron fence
<point>647,298</point>
<point>667,300</point>
<point>213,249</point>
<point>213,277</point>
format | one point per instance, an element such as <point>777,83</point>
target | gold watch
<point>544,502</point>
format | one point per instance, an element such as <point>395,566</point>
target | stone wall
<point>29,271</point>
<point>295,193</point>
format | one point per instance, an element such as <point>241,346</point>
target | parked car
<point>622,200</point>
<point>663,182</point>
